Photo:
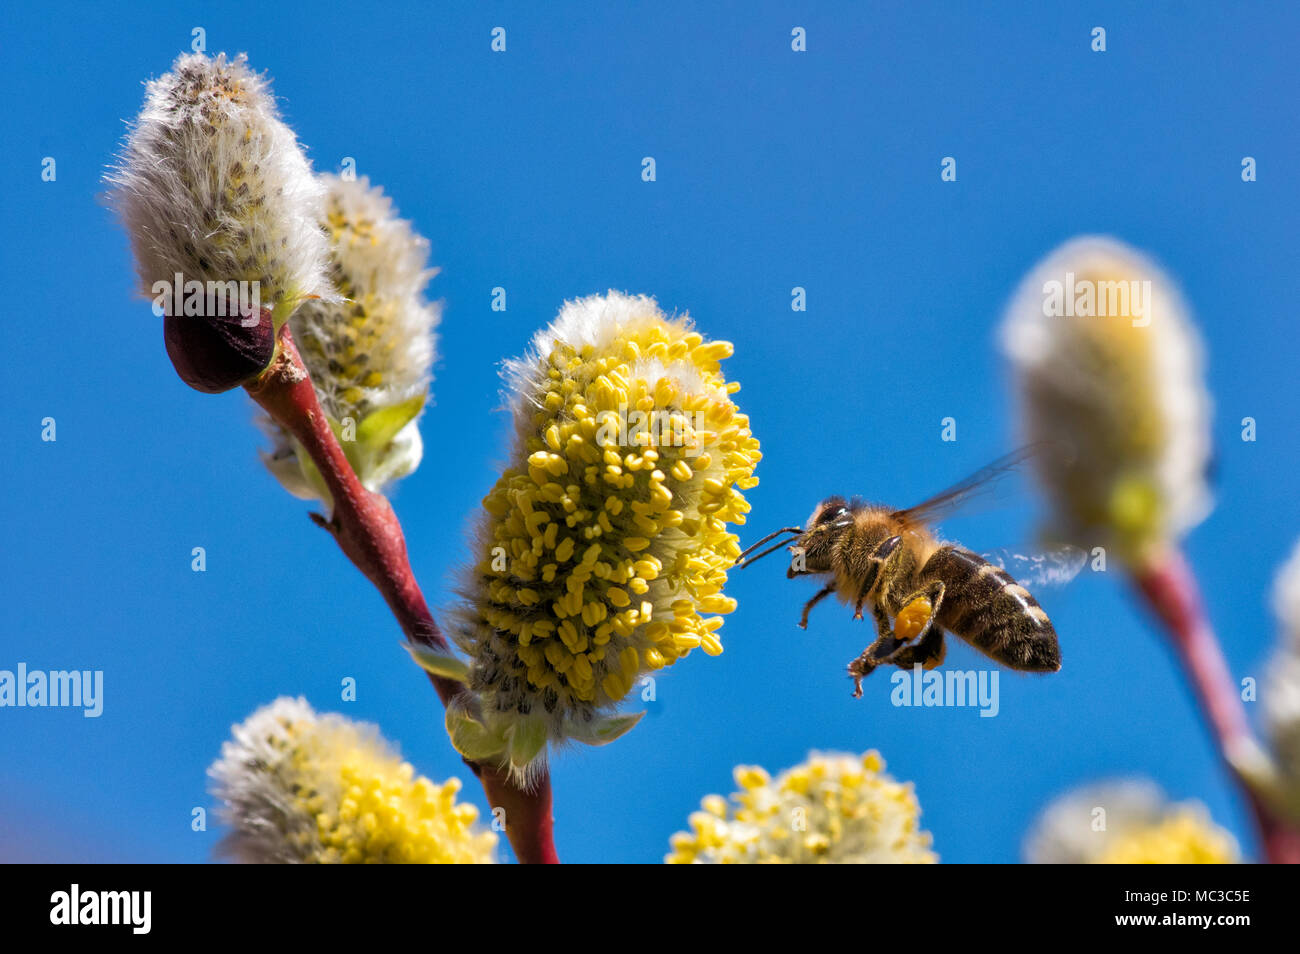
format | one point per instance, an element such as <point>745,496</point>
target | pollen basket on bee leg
<point>912,618</point>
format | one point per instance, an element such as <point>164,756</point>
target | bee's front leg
<point>824,592</point>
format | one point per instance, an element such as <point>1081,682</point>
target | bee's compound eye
<point>831,510</point>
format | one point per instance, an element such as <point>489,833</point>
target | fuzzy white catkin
<point>1123,394</point>
<point>250,779</point>
<point>1281,693</point>
<point>296,786</point>
<point>1089,825</point>
<point>381,267</point>
<point>211,184</point>
<point>1066,831</point>
<point>372,351</point>
<point>1286,599</point>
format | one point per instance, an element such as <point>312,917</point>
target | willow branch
<point>369,534</point>
<point>1170,589</point>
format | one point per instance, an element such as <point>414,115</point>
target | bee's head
<point>815,539</point>
<point>824,526</point>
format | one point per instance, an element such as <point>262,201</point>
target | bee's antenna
<point>774,533</point>
<point>745,559</point>
<point>772,549</point>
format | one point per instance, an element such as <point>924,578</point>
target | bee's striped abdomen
<point>986,607</point>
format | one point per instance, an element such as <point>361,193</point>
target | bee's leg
<point>885,644</point>
<point>927,600</point>
<point>859,669</point>
<point>824,592</point>
<point>908,628</point>
<point>883,551</point>
<point>929,652</point>
<point>868,582</point>
<point>884,629</point>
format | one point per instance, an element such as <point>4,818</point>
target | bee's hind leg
<point>929,651</point>
<point>859,669</point>
<point>916,619</point>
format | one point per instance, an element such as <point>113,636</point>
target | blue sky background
<point>775,169</point>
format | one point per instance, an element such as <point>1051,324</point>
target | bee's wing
<point>981,482</point>
<point>1055,566</point>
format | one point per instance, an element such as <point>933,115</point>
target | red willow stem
<point>1170,589</point>
<point>369,534</point>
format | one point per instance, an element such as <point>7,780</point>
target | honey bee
<point>889,561</point>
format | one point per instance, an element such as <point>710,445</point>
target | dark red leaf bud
<point>216,354</point>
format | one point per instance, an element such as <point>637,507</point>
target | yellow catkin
<point>630,466</point>
<point>321,789</point>
<point>831,809</point>
<point>1184,837</point>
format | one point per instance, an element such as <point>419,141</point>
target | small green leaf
<point>527,740</point>
<point>438,663</point>
<point>311,473</point>
<point>283,309</point>
<point>297,473</point>
<point>381,426</point>
<point>606,730</point>
<point>348,445</point>
<point>471,738</point>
